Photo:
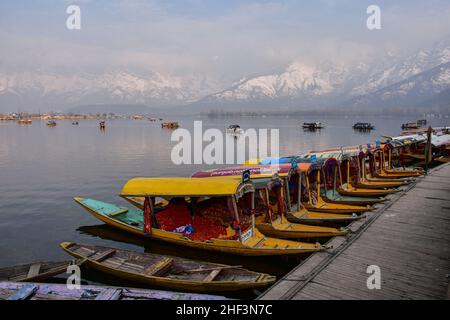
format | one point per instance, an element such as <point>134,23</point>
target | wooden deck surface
<point>408,239</point>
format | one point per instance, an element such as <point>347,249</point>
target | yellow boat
<point>226,233</point>
<point>374,183</point>
<point>317,218</point>
<point>316,202</point>
<point>272,220</point>
<point>385,170</point>
<point>348,189</point>
<point>167,271</point>
<point>292,177</point>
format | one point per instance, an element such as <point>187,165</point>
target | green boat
<point>333,196</point>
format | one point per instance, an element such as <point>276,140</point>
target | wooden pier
<point>408,239</point>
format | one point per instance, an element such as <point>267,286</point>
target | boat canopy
<point>259,171</point>
<point>182,187</point>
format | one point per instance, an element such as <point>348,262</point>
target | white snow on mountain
<point>405,68</point>
<point>154,89</point>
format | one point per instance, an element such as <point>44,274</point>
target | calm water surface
<point>42,168</point>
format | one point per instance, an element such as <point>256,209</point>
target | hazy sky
<point>224,39</point>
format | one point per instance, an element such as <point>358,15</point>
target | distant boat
<point>234,129</point>
<point>75,123</point>
<point>363,126</point>
<point>51,123</point>
<point>422,122</point>
<point>25,121</point>
<point>312,125</point>
<point>410,125</point>
<point>170,125</point>
<point>152,119</point>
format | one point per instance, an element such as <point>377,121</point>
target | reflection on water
<point>42,168</point>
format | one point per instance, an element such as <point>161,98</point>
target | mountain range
<point>420,80</point>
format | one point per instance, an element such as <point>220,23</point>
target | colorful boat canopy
<point>174,187</point>
<point>261,171</point>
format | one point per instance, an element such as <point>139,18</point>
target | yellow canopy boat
<point>383,170</point>
<point>288,181</point>
<point>373,183</point>
<point>271,210</point>
<point>209,214</point>
<point>316,202</point>
<point>347,188</point>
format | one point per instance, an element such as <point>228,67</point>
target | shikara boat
<point>271,217</point>
<point>293,176</point>
<point>167,271</point>
<point>38,271</point>
<point>363,126</point>
<point>210,214</point>
<point>348,187</point>
<point>316,202</point>
<point>270,203</point>
<point>333,178</point>
<point>367,158</point>
<point>53,291</point>
<point>312,126</point>
<point>383,170</point>
<point>410,125</point>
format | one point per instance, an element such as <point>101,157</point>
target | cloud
<point>227,40</point>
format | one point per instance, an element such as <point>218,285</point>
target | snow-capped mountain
<point>309,84</point>
<point>416,91</point>
<point>51,91</point>
<point>405,68</point>
<point>303,86</point>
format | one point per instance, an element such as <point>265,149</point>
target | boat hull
<point>298,231</point>
<point>336,208</point>
<point>360,192</point>
<point>379,184</point>
<point>318,218</point>
<point>338,198</point>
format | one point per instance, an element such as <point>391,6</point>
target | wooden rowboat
<point>53,291</point>
<point>38,271</point>
<point>168,271</point>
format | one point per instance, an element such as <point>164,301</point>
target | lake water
<point>42,168</point>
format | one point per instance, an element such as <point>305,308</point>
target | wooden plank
<point>159,267</point>
<point>34,270</point>
<point>212,275</point>
<point>104,255</point>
